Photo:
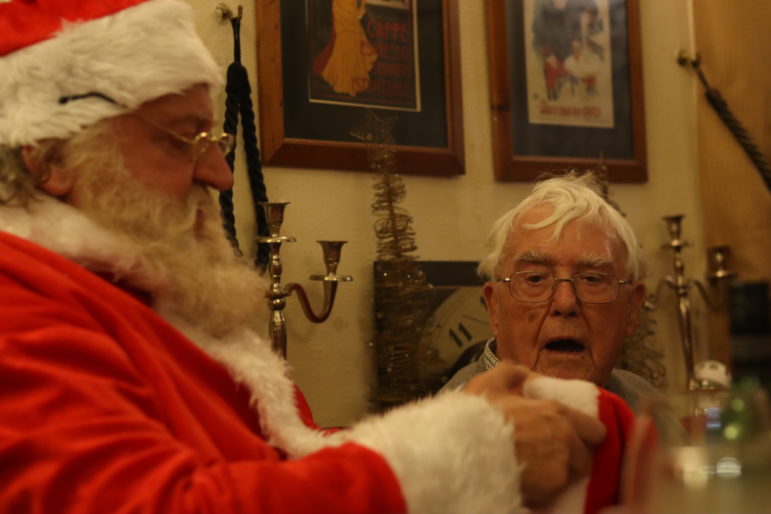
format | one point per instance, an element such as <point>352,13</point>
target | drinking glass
<point>701,451</point>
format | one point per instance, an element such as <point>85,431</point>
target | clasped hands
<point>553,442</point>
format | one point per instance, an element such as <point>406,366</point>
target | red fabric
<point>605,481</point>
<point>107,408</point>
<point>26,22</point>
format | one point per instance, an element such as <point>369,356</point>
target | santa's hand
<point>553,442</point>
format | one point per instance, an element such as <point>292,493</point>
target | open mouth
<point>565,345</point>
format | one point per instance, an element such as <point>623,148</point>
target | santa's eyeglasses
<point>193,148</point>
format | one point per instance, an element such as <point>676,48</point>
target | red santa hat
<point>67,64</point>
<point>602,488</point>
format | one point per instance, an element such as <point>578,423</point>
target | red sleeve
<point>98,417</point>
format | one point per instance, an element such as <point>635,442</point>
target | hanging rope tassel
<point>226,197</point>
<point>239,103</point>
<point>720,106</point>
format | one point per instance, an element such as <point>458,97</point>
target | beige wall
<point>330,361</point>
<point>742,75</point>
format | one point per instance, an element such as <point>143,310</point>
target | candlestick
<point>277,295</point>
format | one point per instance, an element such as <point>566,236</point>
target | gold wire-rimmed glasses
<point>198,145</point>
<point>538,286</point>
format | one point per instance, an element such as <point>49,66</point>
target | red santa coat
<point>148,424</point>
<point>108,407</point>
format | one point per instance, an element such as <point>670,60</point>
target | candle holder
<point>681,285</point>
<point>278,293</point>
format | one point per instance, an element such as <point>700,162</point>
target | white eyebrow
<point>594,261</point>
<point>587,261</point>
<point>534,257</point>
<point>190,119</point>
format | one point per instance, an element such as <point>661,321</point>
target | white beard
<point>202,280</point>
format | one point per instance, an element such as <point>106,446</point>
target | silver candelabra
<point>681,285</point>
<point>274,215</point>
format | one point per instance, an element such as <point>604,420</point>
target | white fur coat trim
<point>450,454</point>
<point>135,55</point>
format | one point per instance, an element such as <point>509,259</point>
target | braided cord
<point>254,167</point>
<point>230,126</point>
<point>239,102</point>
<point>741,135</point>
<point>718,103</point>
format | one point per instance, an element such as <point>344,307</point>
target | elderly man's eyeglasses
<point>537,286</point>
<point>195,147</point>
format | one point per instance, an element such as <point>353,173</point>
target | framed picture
<point>566,87</point>
<point>323,64</point>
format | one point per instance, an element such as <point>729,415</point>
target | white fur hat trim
<point>132,56</point>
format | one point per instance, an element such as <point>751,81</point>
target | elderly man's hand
<point>552,441</point>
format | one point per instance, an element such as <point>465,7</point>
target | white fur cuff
<point>452,453</point>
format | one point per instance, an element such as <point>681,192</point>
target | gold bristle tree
<point>403,358</point>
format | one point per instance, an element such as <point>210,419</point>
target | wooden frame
<point>284,102</point>
<point>524,149</point>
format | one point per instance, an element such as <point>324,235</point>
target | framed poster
<point>566,88</point>
<point>322,64</point>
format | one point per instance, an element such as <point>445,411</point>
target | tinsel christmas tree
<point>404,359</point>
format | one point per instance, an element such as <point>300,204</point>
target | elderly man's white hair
<point>572,197</point>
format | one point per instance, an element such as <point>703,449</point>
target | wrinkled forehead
<point>532,216</point>
<point>195,101</point>
<point>586,240</point>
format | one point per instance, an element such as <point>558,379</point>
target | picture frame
<point>562,97</point>
<point>306,119</point>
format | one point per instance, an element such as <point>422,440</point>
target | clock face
<point>459,321</point>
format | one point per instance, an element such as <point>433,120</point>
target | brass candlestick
<point>274,215</point>
<point>682,285</point>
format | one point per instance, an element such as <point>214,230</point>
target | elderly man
<point>563,290</point>
<point>131,381</point>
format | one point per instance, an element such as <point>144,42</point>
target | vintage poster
<point>568,62</point>
<point>363,53</point>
